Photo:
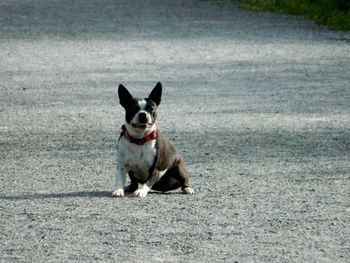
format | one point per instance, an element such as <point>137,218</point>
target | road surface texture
<point>258,105</point>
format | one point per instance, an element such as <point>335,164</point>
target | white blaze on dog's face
<point>140,114</point>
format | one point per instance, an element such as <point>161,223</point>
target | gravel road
<point>258,105</point>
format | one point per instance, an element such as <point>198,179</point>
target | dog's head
<point>140,114</point>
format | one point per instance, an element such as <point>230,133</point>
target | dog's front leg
<point>144,189</point>
<point>120,179</point>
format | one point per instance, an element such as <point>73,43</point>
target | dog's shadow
<point>86,194</point>
<point>81,194</point>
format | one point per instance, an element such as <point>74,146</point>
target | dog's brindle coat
<point>153,163</point>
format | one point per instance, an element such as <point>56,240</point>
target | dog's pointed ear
<point>124,96</point>
<point>156,94</point>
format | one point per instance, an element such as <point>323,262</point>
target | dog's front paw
<point>141,193</point>
<point>188,191</point>
<point>118,193</point>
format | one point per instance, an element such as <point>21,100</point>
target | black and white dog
<point>143,152</point>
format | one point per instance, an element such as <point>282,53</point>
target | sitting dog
<point>143,152</point>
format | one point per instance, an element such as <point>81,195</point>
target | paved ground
<point>258,105</point>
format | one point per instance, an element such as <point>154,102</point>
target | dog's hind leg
<point>182,177</point>
<point>167,182</point>
<point>174,178</point>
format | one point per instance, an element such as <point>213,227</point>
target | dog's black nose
<point>142,117</point>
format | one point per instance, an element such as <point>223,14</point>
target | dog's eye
<point>149,108</point>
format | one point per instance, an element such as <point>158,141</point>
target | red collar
<point>147,138</point>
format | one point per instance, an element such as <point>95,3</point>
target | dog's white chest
<point>136,158</point>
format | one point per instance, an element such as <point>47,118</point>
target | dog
<point>143,152</point>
